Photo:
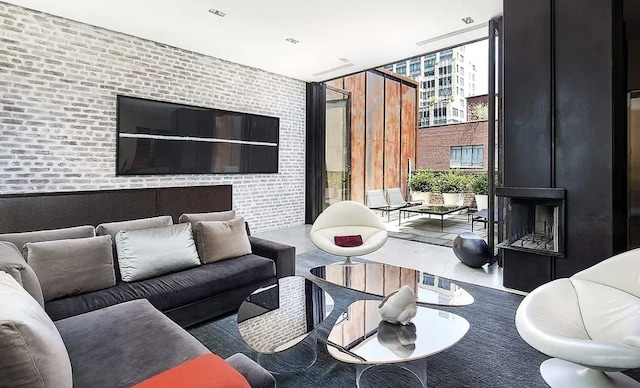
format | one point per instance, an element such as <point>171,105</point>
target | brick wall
<point>434,144</point>
<point>58,85</point>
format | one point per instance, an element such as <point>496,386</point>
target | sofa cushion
<point>220,240</point>
<point>112,228</point>
<point>13,263</point>
<point>172,290</point>
<point>33,354</point>
<point>126,344</point>
<point>206,371</point>
<point>71,267</point>
<point>19,239</point>
<point>146,253</point>
<point>192,218</point>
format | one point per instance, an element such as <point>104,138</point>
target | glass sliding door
<point>337,146</point>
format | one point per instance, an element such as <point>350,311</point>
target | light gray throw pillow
<point>19,239</point>
<point>13,263</point>
<point>33,354</point>
<point>220,240</point>
<point>146,253</point>
<point>212,216</point>
<point>72,267</point>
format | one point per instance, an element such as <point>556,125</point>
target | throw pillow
<point>146,253</point>
<point>13,263</point>
<point>19,239</point>
<point>72,267</point>
<point>33,354</point>
<point>348,241</point>
<point>206,371</point>
<point>212,216</point>
<point>220,240</point>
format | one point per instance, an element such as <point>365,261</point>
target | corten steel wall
<point>434,144</point>
<point>58,85</point>
<point>383,129</point>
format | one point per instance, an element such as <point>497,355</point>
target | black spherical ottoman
<point>471,249</point>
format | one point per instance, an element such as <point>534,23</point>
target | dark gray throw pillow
<point>72,267</point>
<point>146,253</point>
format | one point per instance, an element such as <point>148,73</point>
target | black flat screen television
<point>155,137</point>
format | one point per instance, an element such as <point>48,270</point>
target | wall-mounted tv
<point>155,137</point>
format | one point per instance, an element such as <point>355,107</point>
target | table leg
<point>404,374</point>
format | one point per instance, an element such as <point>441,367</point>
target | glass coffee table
<point>437,210</point>
<point>381,279</point>
<point>384,353</point>
<point>279,322</point>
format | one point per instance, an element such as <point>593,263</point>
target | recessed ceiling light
<point>345,60</point>
<point>467,20</point>
<point>217,13</point>
<point>291,40</point>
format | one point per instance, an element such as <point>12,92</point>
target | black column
<point>315,151</point>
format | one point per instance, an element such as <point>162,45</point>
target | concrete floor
<point>434,259</point>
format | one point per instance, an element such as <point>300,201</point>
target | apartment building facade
<point>445,79</point>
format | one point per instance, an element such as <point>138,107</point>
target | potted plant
<point>421,185</point>
<point>452,184</point>
<point>480,187</point>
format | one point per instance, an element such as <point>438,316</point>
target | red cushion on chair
<point>206,371</point>
<point>348,241</point>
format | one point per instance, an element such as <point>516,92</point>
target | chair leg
<point>560,373</point>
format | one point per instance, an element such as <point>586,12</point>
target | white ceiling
<point>367,33</point>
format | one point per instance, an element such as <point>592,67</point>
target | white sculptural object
<point>399,306</point>
<point>400,339</point>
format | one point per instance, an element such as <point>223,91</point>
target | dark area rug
<point>492,354</point>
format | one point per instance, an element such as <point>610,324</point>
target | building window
<point>401,69</point>
<point>389,67</point>
<point>446,55</point>
<point>414,68</point>
<point>467,156</point>
<point>428,73</point>
<point>461,70</point>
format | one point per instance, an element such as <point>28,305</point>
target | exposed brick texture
<point>434,144</point>
<point>58,85</point>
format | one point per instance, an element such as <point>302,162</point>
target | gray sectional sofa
<point>120,335</point>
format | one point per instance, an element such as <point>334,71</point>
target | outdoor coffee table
<point>381,279</point>
<point>388,354</point>
<point>279,322</point>
<point>438,210</point>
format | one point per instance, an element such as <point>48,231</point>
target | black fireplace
<point>534,220</point>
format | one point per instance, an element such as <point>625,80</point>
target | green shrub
<point>452,181</point>
<point>422,180</point>
<point>480,184</point>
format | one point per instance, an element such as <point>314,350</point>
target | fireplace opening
<point>534,220</point>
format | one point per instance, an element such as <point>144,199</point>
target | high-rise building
<point>445,79</point>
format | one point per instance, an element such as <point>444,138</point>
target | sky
<point>478,54</point>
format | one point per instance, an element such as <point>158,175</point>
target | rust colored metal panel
<point>392,134</point>
<point>391,279</point>
<point>409,130</point>
<point>374,146</point>
<point>336,83</point>
<point>375,280</point>
<point>356,85</point>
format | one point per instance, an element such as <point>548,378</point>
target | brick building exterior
<point>434,144</point>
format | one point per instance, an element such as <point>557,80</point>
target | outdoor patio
<point>421,228</point>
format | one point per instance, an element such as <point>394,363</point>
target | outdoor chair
<point>589,322</point>
<point>377,200</point>
<point>348,219</point>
